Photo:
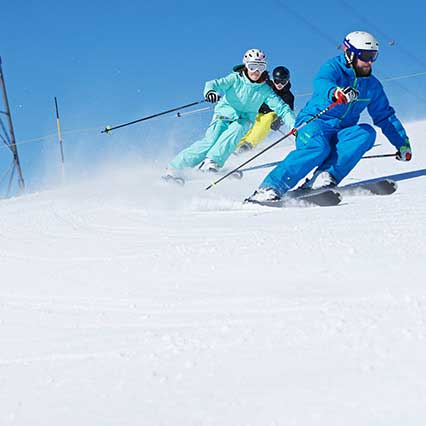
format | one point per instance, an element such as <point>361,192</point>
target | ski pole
<point>275,163</point>
<point>181,114</point>
<point>109,128</point>
<point>378,156</point>
<point>291,132</point>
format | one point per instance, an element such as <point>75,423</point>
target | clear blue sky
<point>112,62</point>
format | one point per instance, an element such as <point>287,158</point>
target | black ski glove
<point>276,124</point>
<point>212,96</point>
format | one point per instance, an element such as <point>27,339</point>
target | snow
<point>126,301</point>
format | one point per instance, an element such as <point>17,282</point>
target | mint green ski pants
<point>219,142</point>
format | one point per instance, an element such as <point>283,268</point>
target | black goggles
<point>367,55</point>
<point>282,82</point>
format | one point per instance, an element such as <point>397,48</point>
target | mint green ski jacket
<point>242,98</point>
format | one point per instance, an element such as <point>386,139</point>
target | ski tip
<point>237,175</point>
<point>273,204</point>
<point>176,180</point>
<point>393,184</point>
<point>322,198</point>
<point>384,187</point>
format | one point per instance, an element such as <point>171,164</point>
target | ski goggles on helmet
<point>256,66</point>
<point>367,55</point>
<point>363,55</point>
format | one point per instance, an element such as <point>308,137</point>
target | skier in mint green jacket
<point>239,96</point>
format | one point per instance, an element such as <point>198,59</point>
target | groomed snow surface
<point>127,301</point>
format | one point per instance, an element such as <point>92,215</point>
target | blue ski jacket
<point>335,73</point>
<point>242,98</point>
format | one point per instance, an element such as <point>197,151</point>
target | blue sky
<point>112,62</point>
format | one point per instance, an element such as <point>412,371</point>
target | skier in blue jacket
<point>335,142</point>
<point>239,96</point>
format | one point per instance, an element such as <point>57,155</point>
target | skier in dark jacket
<point>266,119</point>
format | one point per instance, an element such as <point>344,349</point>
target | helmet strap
<point>349,56</point>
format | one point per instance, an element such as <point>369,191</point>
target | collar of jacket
<point>263,78</point>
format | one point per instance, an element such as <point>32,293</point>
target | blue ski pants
<point>320,145</point>
<point>219,142</point>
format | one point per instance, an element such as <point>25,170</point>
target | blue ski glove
<point>404,153</point>
<point>276,124</point>
<point>212,96</point>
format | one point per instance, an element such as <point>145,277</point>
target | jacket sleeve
<point>280,108</point>
<point>220,85</point>
<point>326,81</point>
<point>289,99</point>
<point>383,116</point>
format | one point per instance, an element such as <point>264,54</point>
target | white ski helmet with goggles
<point>255,60</point>
<point>361,45</point>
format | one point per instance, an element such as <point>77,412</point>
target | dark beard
<point>361,72</point>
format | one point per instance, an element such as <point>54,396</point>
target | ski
<point>378,187</point>
<point>181,181</point>
<point>275,163</point>
<point>237,175</point>
<point>173,179</point>
<point>260,166</point>
<point>321,198</point>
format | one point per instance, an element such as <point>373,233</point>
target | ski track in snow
<point>152,304</point>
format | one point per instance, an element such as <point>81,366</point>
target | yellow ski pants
<point>259,130</point>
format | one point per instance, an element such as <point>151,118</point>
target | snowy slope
<point>124,301</point>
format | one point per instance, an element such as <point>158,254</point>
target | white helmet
<point>362,45</point>
<point>254,56</point>
<point>361,40</point>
